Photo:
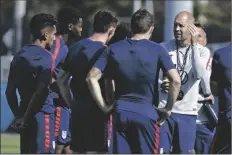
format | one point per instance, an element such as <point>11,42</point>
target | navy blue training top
<point>80,59</point>
<point>29,66</point>
<point>59,51</point>
<point>221,73</point>
<point>134,66</point>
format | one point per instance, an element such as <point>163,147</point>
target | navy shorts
<point>62,126</point>
<point>181,135</point>
<point>223,138</point>
<point>88,129</point>
<point>204,138</point>
<point>38,137</point>
<point>133,133</point>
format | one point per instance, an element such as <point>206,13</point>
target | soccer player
<point>121,32</point>
<point>220,83</point>
<point>190,59</point>
<point>70,23</point>
<point>31,73</point>
<point>205,122</point>
<point>87,119</point>
<point>134,64</point>
<point>69,31</point>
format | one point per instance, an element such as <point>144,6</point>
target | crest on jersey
<point>53,144</point>
<point>64,134</point>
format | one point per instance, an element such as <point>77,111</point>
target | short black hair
<point>66,16</point>
<point>103,20</point>
<point>121,33</point>
<point>39,22</point>
<point>141,21</point>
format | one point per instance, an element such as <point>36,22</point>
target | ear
<point>111,30</point>
<point>151,30</point>
<point>46,35</point>
<point>70,26</point>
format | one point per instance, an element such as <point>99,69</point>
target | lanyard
<point>180,68</point>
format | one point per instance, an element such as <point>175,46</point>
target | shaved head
<point>180,28</point>
<point>185,16</point>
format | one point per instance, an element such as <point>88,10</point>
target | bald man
<point>207,118</point>
<point>190,59</point>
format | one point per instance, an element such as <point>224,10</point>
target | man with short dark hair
<point>121,32</point>
<point>70,23</point>
<point>88,120</point>
<point>31,73</point>
<point>133,64</point>
<point>69,31</point>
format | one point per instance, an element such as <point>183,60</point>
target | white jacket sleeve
<point>200,57</point>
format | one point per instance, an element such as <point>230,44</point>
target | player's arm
<point>173,76</point>
<point>11,94</point>
<point>92,81</point>
<point>109,90</point>
<point>41,93</point>
<point>93,76</point>
<point>62,81</point>
<point>216,74</point>
<point>63,85</point>
<point>174,89</point>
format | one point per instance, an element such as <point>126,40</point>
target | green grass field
<point>10,143</point>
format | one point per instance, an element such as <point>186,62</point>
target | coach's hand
<point>194,33</point>
<point>210,99</point>
<point>165,85</point>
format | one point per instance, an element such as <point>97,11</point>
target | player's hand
<point>13,125</point>
<point>163,113</point>
<point>19,124</point>
<point>165,85</point>
<point>194,33</point>
<point>107,109</point>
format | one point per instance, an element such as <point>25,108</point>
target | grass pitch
<point>10,143</point>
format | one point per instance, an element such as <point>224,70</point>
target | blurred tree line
<point>214,15</point>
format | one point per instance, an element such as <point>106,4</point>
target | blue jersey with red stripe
<point>80,60</point>
<point>61,54</point>
<point>221,65</point>
<point>29,66</point>
<point>134,66</point>
<point>59,51</point>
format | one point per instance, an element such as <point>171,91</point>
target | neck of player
<point>39,43</point>
<point>101,37</point>
<point>141,36</point>
<point>64,37</point>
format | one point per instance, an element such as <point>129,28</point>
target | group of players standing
<point>116,89</point>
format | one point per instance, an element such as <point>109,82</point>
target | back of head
<point>40,22</point>
<point>202,37</point>
<point>141,21</point>
<point>121,32</point>
<point>66,16</point>
<point>103,20</point>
